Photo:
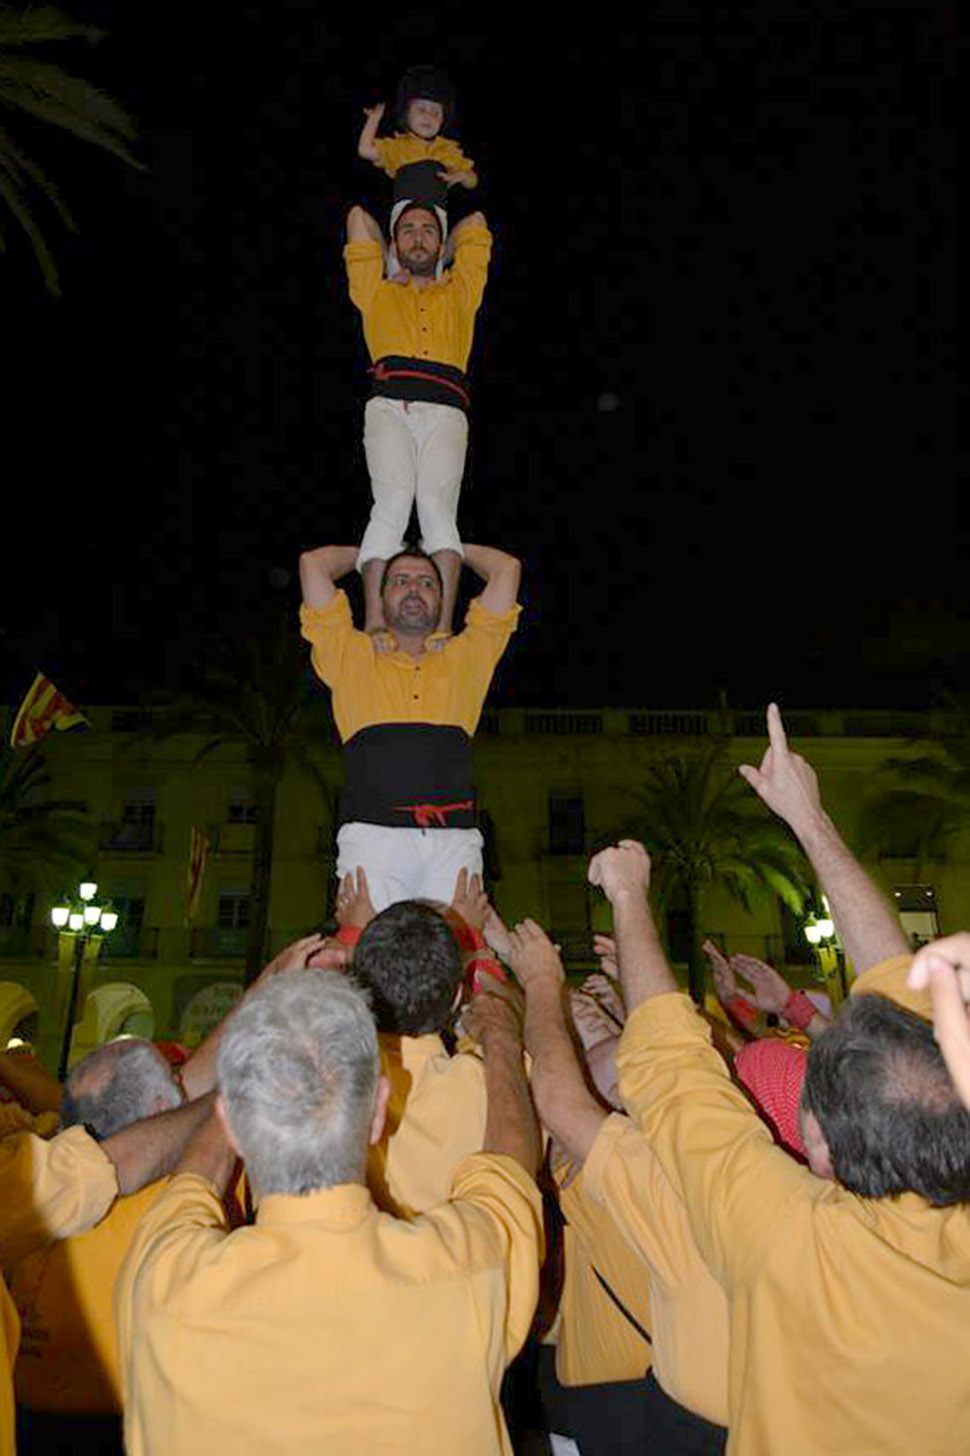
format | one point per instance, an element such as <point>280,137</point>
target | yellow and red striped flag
<point>42,709</point>
<point>198,854</point>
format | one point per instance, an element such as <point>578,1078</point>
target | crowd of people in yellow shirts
<point>398,1162</point>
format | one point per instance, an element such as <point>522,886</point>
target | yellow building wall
<point>522,758</point>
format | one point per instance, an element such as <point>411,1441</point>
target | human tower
<point>407,693</point>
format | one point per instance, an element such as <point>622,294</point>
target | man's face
<point>412,597</point>
<point>417,239</point>
<point>425,117</point>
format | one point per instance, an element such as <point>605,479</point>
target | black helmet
<point>425,83</point>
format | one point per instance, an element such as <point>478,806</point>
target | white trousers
<point>408,864</point>
<point>416,457</point>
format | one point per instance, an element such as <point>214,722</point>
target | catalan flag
<point>198,853</point>
<point>42,709</point>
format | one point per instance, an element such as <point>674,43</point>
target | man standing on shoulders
<point>418,328</point>
<point>406,715</point>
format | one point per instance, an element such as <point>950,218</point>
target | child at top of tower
<point>425,101</point>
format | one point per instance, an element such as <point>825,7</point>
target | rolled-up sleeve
<point>51,1190</point>
<point>737,1186</point>
<point>473,250</point>
<point>474,653</point>
<point>331,633</point>
<point>500,1188</point>
<point>364,262</point>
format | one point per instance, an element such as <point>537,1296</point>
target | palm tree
<point>42,91</point>
<point>704,827</point>
<point>928,807</point>
<point>255,693</point>
<point>42,841</point>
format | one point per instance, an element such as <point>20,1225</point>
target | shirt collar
<point>343,1207</point>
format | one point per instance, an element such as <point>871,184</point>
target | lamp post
<point>821,936</point>
<point>81,924</point>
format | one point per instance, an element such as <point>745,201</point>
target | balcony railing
<point>131,942</point>
<point>122,838</point>
<point>214,942</point>
<point>25,941</point>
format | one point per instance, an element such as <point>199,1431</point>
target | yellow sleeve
<point>364,261</point>
<point>391,154</point>
<point>888,978</point>
<point>185,1223</point>
<point>623,1174</point>
<point>509,1206</point>
<point>470,270</point>
<point>51,1190</point>
<point>738,1188</point>
<point>476,650</point>
<point>451,156</point>
<point>333,637</point>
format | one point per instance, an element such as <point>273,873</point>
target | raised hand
<point>771,990</point>
<point>785,782</point>
<point>604,948</point>
<point>374,113</point>
<point>469,900</point>
<point>622,869</point>
<point>498,1009</point>
<point>354,904</point>
<point>496,932</point>
<point>294,957</point>
<point>725,984</point>
<point>535,961</point>
<point>943,968</point>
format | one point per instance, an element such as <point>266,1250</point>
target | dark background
<point>714,379</point>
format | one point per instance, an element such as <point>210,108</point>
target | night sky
<point>714,377</point>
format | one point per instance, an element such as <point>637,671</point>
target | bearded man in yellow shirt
<point>418,327</point>
<point>406,711</point>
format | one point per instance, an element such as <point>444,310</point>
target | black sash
<point>409,776</point>
<point>397,376</point>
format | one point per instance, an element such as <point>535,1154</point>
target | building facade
<point>554,785</point>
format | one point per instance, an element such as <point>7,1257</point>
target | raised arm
<point>30,1082</point>
<point>510,1121</point>
<point>501,574</point>
<point>943,968</point>
<point>564,1102</point>
<point>622,872</point>
<point>473,220</point>
<point>869,929</point>
<point>362,228</point>
<point>144,1151</point>
<point>321,569</point>
<point>365,143</point>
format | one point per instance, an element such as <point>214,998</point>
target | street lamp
<point>821,936</point>
<point>81,924</point>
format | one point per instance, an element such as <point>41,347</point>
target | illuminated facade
<point>553,785</point>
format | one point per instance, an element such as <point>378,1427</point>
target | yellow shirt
<point>68,1358</point>
<point>595,1341</point>
<point>433,320</point>
<point>47,1191</point>
<point>849,1317</point>
<point>447,686</point>
<point>404,147</point>
<point>14,1118</point>
<point>688,1307</point>
<point>889,979</point>
<point>435,1117</point>
<point>328,1326</point>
